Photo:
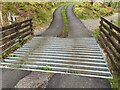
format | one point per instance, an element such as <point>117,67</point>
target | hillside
<point>84,10</point>
<point>41,12</point>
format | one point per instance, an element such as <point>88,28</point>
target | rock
<point>40,31</point>
<point>34,80</point>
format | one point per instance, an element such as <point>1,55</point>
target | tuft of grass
<point>117,22</point>
<point>13,55</point>
<point>21,41</point>
<point>96,34</point>
<point>47,67</point>
<point>5,54</point>
<point>17,45</point>
<point>115,82</point>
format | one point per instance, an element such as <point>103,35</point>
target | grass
<point>117,22</point>
<point>13,55</point>
<point>96,34</point>
<point>65,29</point>
<point>115,82</point>
<point>47,67</point>
<point>84,10</point>
<point>5,54</point>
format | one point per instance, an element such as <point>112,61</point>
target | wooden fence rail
<point>11,34</point>
<point>110,40</point>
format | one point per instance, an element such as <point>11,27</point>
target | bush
<point>85,10</point>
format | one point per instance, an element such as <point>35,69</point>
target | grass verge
<point>65,30</point>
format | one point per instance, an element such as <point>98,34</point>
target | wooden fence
<point>11,34</point>
<point>110,40</point>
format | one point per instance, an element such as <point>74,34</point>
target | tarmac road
<point>77,28</point>
<point>71,81</point>
<point>9,77</point>
<point>56,25</point>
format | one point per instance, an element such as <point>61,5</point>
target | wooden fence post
<point>31,26</point>
<point>9,18</point>
<point>110,27</point>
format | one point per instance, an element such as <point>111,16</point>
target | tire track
<point>77,28</point>
<point>56,25</point>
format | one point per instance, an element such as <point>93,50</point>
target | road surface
<point>77,29</point>
<point>56,25</point>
